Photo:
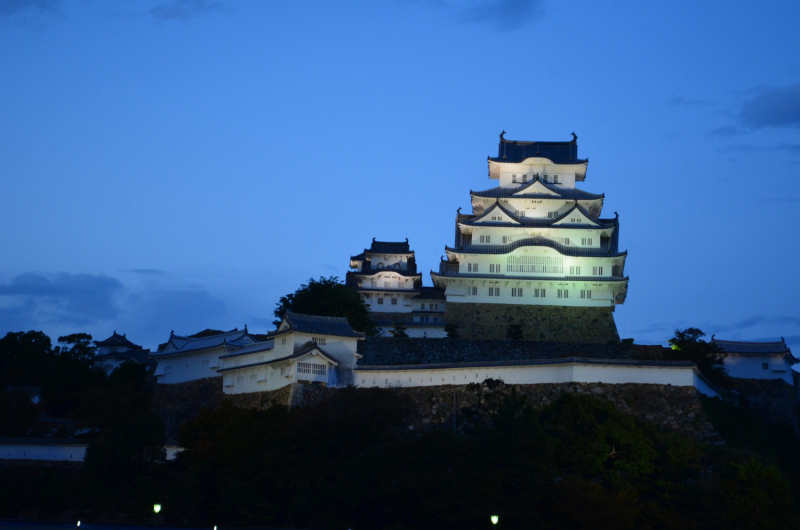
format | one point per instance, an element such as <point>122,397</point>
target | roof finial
<point>712,337</point>
<point>458,211</point>
<point>373,239</point>
<point>171,333</point>
<point>245,327</point>
<point>616,215</point>
<point>574,137</point>
<point>115,332</point>
<point>502,134</point>
<point>406,240</point>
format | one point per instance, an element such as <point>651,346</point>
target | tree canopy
<point>687,345</point>
<point>331,298</point>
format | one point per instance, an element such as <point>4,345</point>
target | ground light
<point>156,508</point>
<point>79,523</point>
<point>494,520</point>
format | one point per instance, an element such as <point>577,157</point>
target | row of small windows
<point>429,319</point>
<point>431,307</point>
<point>396,266</point>
<point>544,178</point>
<point>388,285</point>
<point>537,293</point>
<point>313,369</point>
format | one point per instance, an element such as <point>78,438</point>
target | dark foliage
<point>687,345</point>
<point>514,331</point>
<point>452,331</point>
<point>398,331</point>
<point>328,297</point>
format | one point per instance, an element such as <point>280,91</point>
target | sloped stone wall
<point>539,323</point>
<point>668,407</point>
<point>180,402</point>
<point>772,400</point>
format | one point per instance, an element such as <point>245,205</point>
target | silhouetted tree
<point>398,331</point>
<point>328,297</point>
<point>687,345</point>
<point>452,331</point>
<point>514,331</point>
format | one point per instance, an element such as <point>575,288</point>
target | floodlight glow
<point>79,523</point>
<point>495,519</point>
<point>156,508</point>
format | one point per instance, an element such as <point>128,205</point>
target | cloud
<point>185,9</point>
<point>71,299</point>
<point>792,149</point>
<point>145,272</point>
<point>726,131</point>
<point>772,108</point>
<point>503,15</point>
<point>29,13</point>
<point>682,101</point>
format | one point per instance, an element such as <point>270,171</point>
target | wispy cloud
<point>186,9</point>
<point>772,108</point>
<point>29,13</point>
<point>503,15</point>
<point>726,131</point>
<point>793,149</point>
<point>145,272</point>
<point>73,299</point>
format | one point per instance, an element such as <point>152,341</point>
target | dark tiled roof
<point>117,340</point>
<point>181,344</point>
<point>557,152</point>
<point>373,272</point>
<point>137,355</point>
<point>308,347</point>
<point>388,324</point>
<point>367,289</point>
<point>384,247</point>
<point>752,348</point>
<point>538,222</point>
<point>569,193</point>
<point>431,293</point>
<point>321,325</point>
<point>537,242</point>
<point>266,345</point>
<point>598,279</point>
<point>529,362</point>
<point>385,351</point>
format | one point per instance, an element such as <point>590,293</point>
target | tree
<point>514,332</point>
<point>452,331</point>
<point>331,298</point>
<point>398,331</point>
<point>25,358</point>
<point>687,345</point>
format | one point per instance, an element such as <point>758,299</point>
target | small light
<point>79,523</point>
<point>495,519</point>
<point>156,508</point>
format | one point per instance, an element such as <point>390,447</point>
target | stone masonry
<point>539,323</point>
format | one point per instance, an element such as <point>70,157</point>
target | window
<point>240,380</point>
<point>586,294</point>
<point>205,364</point>
<point>387,285</point>
<point>394,301</point>
<point>552,215</point>
<point>494,291</point>
<point>524,178</point>
<point>380,301</point>
<point>469,267</point>
<point>474,267</point>
<point>474,291</point>
<point>283,371</point>
<point>586,241</point>
<point>574,270</point>
<point>486,239</point>
<point>505,239</point>
<point>765,366</point>
<point>434,307</point>
<point>318,340</point>
<point>494,268</point>
<point>319,369</point>
<point>514,177</point>
<point>540,264</point>
<point>516,291</point>
<point>597,271</point>
<point>397,266</point>
<point>563,293</point>
<point>539,293</point>
<point>422,307</point>
<point>283,341</point>
<point>555,179</point>
<point>566,241</point>
<point>252,377</point>
<point>303,368</point>
<point>380,265</point>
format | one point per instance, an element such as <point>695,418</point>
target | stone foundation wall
<point>539,323</point>
<point>262,400</point>
<point>772,400</point>
<point>668,407</point>
<point>181,402</point>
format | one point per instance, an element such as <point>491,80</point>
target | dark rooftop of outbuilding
<point>320,325</point>
<point>389,351</point>
<point>752,348</point>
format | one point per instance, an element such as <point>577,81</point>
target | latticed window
<point>540,264</point>
<point>303,368</point>
<point>563,293</point>
<point>318,340</point>
<point>586,293</point>
<point>539,293</point>
<point>319,369</point>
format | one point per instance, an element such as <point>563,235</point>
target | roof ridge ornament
<point>574,137</point>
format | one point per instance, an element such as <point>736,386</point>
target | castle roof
<point>475,275</point>
<point>752,348</point>
<point>519,193</point>
<point>373,272</point>
<point>317,325</point>
<point>181,344</point>
<point>538,242</point>
<point>117,340</point>
<point>538,222</point>
<point>384,247</point>
<point>514,151</point>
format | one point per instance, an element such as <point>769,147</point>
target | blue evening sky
<point>181,164</point>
